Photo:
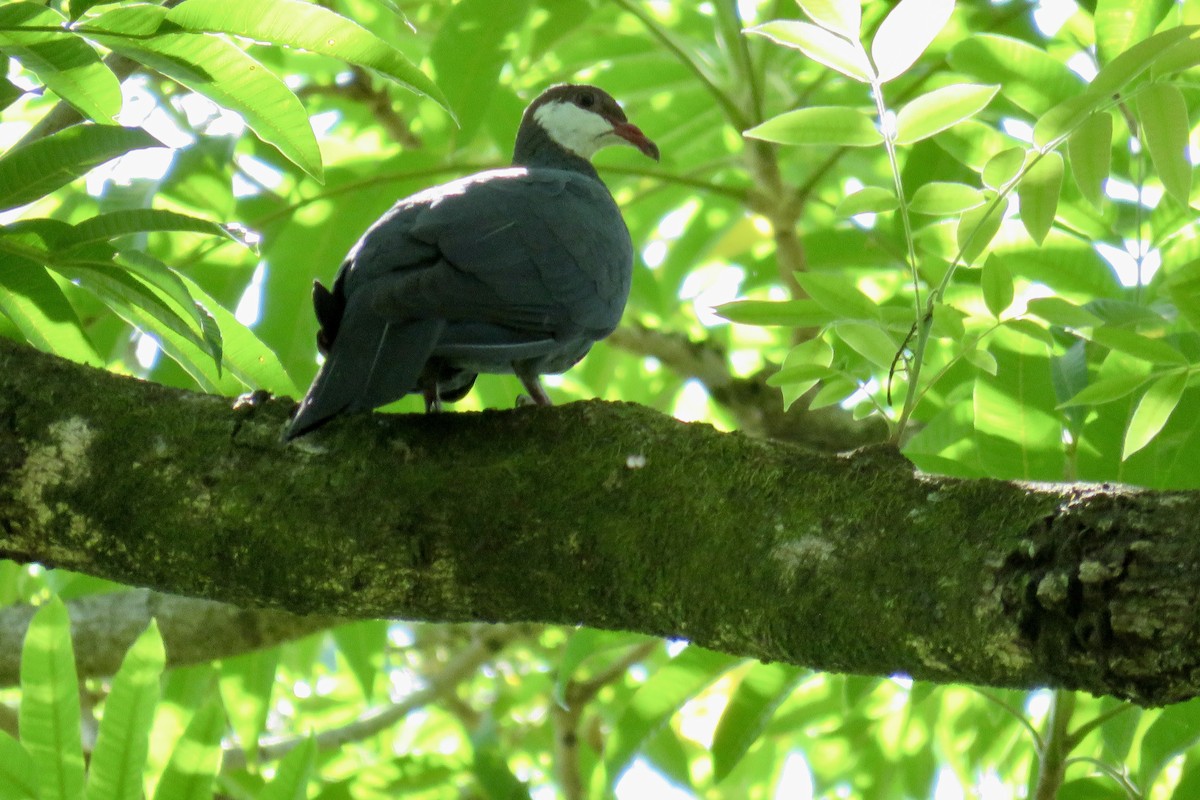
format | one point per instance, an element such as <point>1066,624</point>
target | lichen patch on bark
<point>61,461</point>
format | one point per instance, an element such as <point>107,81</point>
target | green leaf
<point>843,17</point>
<point>1183,286</point>
<point>833,390</point>
<point>38,168</point>
<point>1062,120</point>
<point>1116,75</point>
<point>1003,167</point>
<point>792,313</point>
<point>838,125</point>
<point>196,759</point>
<point>362,643</point>
<point>868,200</point>
<point>757,697</point>
<point>1105,390</point>
<point>18,775</point>
<point>820,45</point>
<point>807,374</point>
<point>997,283</point>
<point>982,360</point>
<point>658,699</point>
<point>1057,311</point>
<point>1189,780</point>
<point>1030,330</point>
<point>869,341</point>
<point>1091,789</point>
<point>583,644</point>
<point>115,772</point>
<point>940,109</point>
<point>1165,126</point>
<point>1154,351</point>
<point>132,300</point>
<point>1038,192</point>
<point>167,282</point>
<point>1069,376</point>
<point>1090,150</point>
<point>292,776</point>
<point>905,33</point>
<point>562,18</point>
<point>493,775</point>
<point>305,26</point>
<point>220,71</point>
<point>1017,427</point>
<point>8,93</point>
<point>1117,733</point>
<point>976,229</point>
<point>246,684</point>
<point>243,354</point>
<point>1122,23</point>
<point>472,47</point>
<point>943,198</point>
<point>804,365</point>
<point>49,713</point>
<point>838,294</point>
<point>1175,730</point>
<point>65,63</point>
<point>1032,78</point>
<point>1177,58</point>
<point>104,227</point>
<point>1151,414</point>
<point>666,752</point>
<point>1124,312</point>
<point>39,309</point>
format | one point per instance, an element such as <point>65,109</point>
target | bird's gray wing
<point>537,250</point>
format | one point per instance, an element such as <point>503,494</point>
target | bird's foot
<point>529,379</point>
<point>245,406</point>
<point>431,394</point>
<point>248,402</point>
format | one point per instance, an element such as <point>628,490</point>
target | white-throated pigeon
<point>518,270</point>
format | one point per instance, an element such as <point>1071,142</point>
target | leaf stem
<point>923,321</point>
<point>889,144</point>
<point>1052,757</point>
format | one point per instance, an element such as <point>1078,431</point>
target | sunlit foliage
<point>970,226</point>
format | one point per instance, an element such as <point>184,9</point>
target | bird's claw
<point>249,401</point>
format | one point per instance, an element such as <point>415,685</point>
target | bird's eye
<point>586,100</point>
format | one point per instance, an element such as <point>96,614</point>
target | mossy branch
<point>607,514</point>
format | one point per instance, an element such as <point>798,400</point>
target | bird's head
<point>583,119</point>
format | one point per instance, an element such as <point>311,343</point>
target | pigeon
<point>517,270</point>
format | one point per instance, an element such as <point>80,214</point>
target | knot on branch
<point>1089,591</point>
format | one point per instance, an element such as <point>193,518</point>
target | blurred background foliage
<point>969,229</point>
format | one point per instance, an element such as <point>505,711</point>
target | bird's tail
<point>370,363</point>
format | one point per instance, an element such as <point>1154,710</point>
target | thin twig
<point>464,664</point>
<point>566,718</point>
<point>735,115</point>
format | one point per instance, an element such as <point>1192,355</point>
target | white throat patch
<point>578,130</point>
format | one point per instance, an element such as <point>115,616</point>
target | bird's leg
<point>529,379</point>
<point>429,390</point>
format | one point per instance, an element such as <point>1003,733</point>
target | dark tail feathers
<point>369,362</point>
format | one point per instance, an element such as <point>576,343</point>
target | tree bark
<point>607,514</point>
<point>105,626</point>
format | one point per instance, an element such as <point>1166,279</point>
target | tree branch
<point>757,406</point>
<point>482,648</point>
<point>566,717</point>
<point>105,626</point>
<point>608,514</point>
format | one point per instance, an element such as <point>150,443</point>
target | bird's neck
<point>535,149</point>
